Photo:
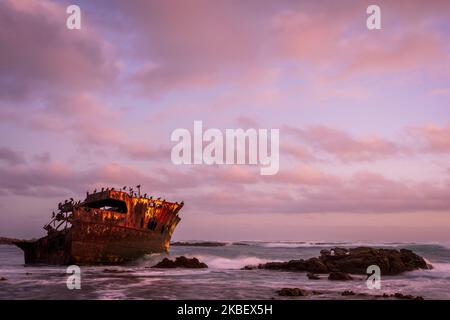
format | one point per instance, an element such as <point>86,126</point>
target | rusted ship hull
<point>119,245</point>
<point>99,236</point>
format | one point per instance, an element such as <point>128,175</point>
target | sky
<point>364,115</point>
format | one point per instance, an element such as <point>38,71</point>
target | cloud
<point>237,189</point>
<point>362,192</point>
<point>91,123</point>
<point>39,53</point>
<point>344,146</point>
<point>11,157</point>
<point>300,152</point>
<point>432,138</point>
<point>401,52</point>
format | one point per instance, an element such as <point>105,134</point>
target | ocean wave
<point>314,244</point>
<point>441,267</point>
<point>218,262</point>
<point>327,244</point>
<point>213,261</point>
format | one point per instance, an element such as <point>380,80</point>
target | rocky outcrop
<point>296,292</point>
<point>396,295</point>
<point>339,276</point>
<point>312,276</point>
<point>357,260</point>
<point>401,296</point>
<point>181,262</point>
<point>354,261</point>
<point>3,279</point>
<point>240,244</point>
<point>316,265</point>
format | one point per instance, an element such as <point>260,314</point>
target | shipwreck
<point>109,227</point>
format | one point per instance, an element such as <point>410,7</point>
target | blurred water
<point>222,280</point>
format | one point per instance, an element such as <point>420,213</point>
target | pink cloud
<point>303,189</point>
<point>11,157</point>
<point>88,121</point>
<point>344,146</point>
<point>432,138</point>
<point>404,52</point>
<point>39,52</point>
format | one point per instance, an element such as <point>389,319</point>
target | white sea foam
<point>217,262</point>
<point>441,267</point>
<point>311,244</point>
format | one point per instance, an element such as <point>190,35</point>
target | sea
<point>224,277</point>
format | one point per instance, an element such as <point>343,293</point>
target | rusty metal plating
<point>109,226</point>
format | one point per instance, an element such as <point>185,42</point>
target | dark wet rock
<point>354,261</point>
<point>312,276</point>
<point>292,265</point>
<point>339,251</point>
<point>396,295</point>
<point>199,244</point>
<point>349,293</point>
<point>315,265</point>
<point>3,279</point>
<point>249,267</point>
<point>296,292</point>
<point>402,296</point>
<point>339,276</point>
<point>181,262</point>
<point>390,261</point>
<point>407,297</point>
<point>292,292</point>
<point>240,244</point>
